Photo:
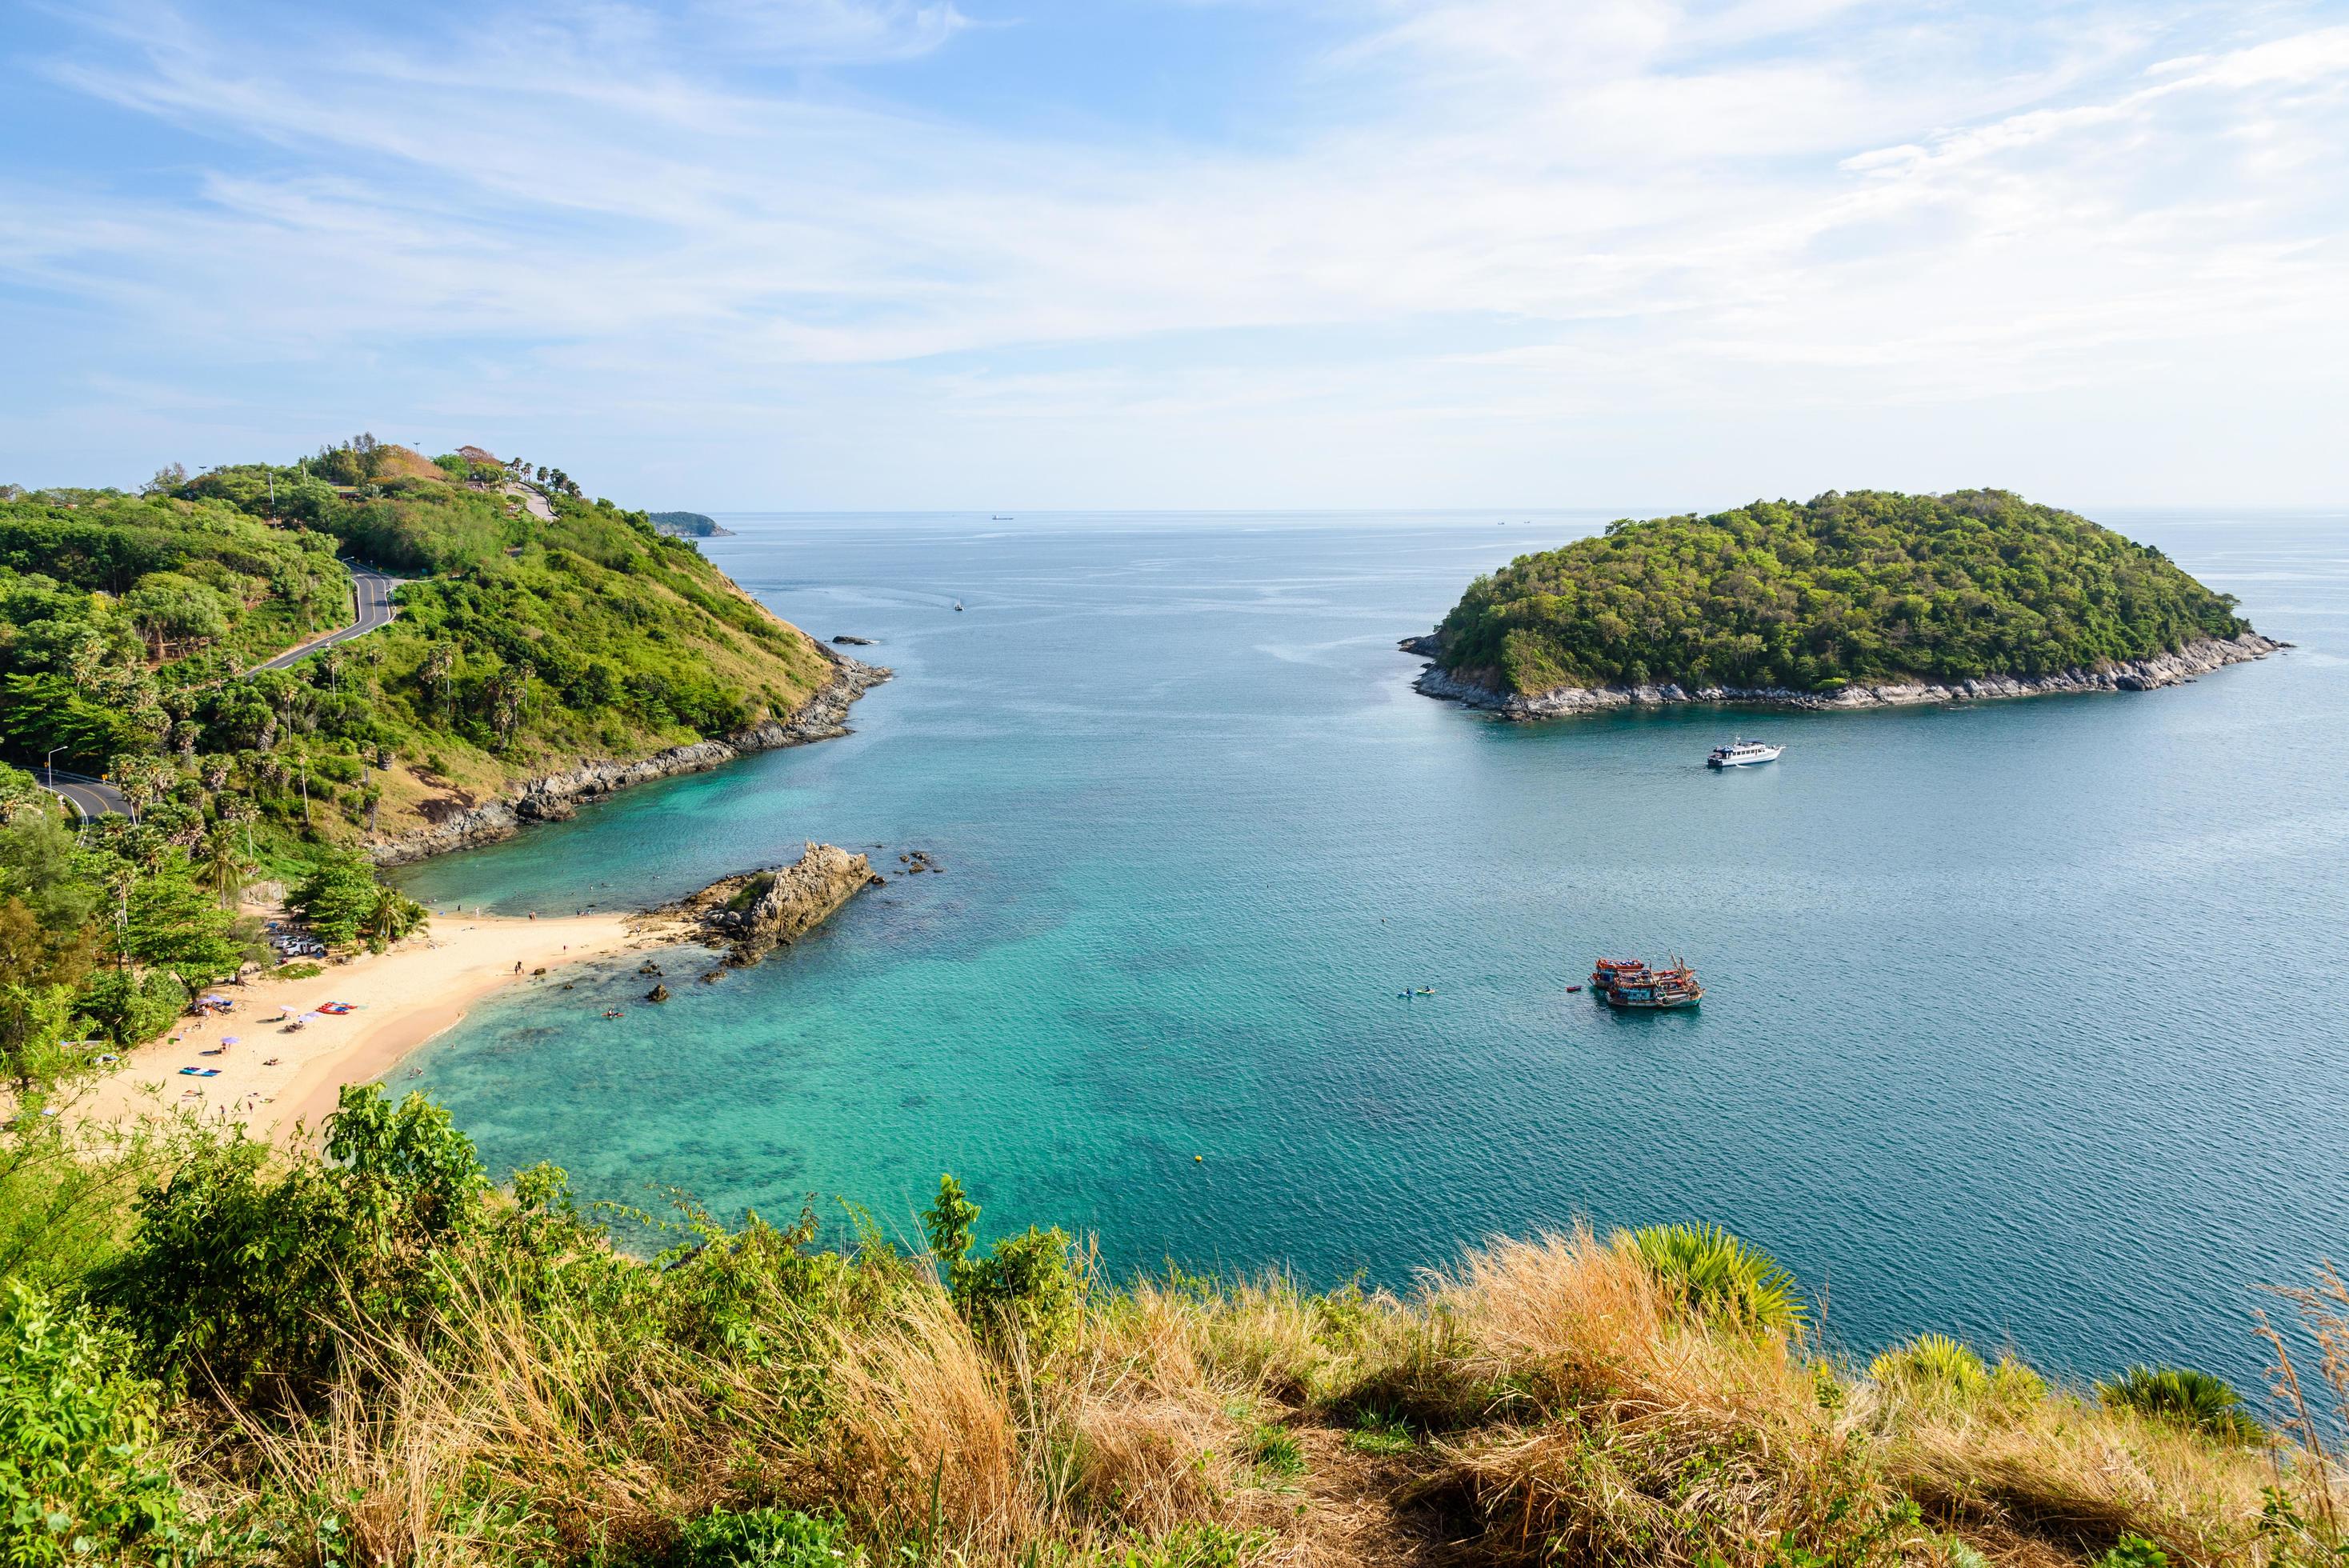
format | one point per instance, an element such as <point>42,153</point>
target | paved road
<point>83,793</point>
<point>375,609</point>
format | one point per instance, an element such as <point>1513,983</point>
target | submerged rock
<point>657,993</point>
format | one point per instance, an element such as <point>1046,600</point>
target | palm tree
<point>225,865</point>
<point>440,661</point>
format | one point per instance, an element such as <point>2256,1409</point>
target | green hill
<point>526,646</point>
<point>1859,588</point>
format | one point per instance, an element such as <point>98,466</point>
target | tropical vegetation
<point>1867,586</point>
<point>131,632</point>
<point>213,1351</point>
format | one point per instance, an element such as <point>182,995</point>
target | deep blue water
<point>2025,1021</point>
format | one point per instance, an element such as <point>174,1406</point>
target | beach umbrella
<point>312,1018</point>
<point>231,1040</point>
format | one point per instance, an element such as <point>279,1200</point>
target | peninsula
<point>1850,600</point>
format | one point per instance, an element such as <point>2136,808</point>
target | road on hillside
<point>90,797</point>
<point>373,590</point>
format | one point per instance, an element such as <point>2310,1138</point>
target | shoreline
<point>557,797</point>
<point>273,1082</point>
<point>2173,668</point>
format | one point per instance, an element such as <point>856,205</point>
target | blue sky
<point>1135,253</point>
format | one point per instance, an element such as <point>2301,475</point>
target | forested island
<point>1849,599</point>
<point>690,525</point>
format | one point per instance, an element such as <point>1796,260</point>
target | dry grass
<point>1565,1411</point>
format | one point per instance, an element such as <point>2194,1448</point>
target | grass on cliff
<point>379,1361</point>
<point>1867,586</point>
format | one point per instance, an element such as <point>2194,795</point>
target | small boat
<point>1743,754</point>
<point>1630,982</point>
<point>1574,990</point>
<point>957,604</point>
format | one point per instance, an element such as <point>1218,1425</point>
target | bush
<point>80,1478</point>
<point>244,1269</point>
<point>2184,1397</point>
<point>1718,1277</point>
<point>763,1538</point>
<point>1932,1363</point>
<point>1023,1285</point>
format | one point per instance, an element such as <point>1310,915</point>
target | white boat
<point>1743,754</point>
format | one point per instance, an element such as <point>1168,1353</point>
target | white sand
<point>274,1082</point>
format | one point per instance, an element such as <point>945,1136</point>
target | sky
<point>997,254</point>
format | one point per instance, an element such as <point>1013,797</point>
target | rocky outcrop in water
<point>2182,665</point>
<point>754,912</point>
<point>557,797</point>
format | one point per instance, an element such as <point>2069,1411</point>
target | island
<point>1850,600</point>
<point>689,525</point>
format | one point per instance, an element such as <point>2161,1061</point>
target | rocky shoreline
<point>2174,668</point>
<point>558,796</point>
<point>754,912</point>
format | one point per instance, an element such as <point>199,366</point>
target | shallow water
<point>2024,1020</point>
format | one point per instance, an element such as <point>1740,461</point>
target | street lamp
<point>48,765</point>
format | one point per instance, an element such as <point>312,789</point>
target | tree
<point>338,898</point>
<point>439,662</point>
<point>167,606</point>
<point>173,924</point>
<point>225,861</point>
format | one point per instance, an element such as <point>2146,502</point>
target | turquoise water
<point>2025,1021</point>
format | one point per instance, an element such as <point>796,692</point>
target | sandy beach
<point>273,1080</point>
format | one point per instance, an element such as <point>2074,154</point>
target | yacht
<point>1743,754</point>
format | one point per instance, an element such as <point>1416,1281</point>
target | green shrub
<point>2186,1397</point>
<point>80,1478</point>
<point>1718,1277</point>
<point>1023,1285</point>
<point>763,1538</point>
<point>1932,1363</point>
<point>242,1268</point>
<point>2134,1551</point>
<point>300,970</point>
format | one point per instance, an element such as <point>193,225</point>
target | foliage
<point>764,1538</point>
<point>344,904</point>
<point>1930,1362</point>
<point>1717,1277</point>
<point>80,1477</point>
<point>1022,1285</point>
<point>2185,1397</point>
<point>242,1266</point>
<point>1865,586</point>
<point>2134,1551</point>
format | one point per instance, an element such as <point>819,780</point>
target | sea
<point>2025,1021</point>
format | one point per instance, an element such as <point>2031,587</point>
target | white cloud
<point>1665,208</point>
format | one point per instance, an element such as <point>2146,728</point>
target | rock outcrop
<point>558,796</point>
<point>754,912</point>
<point>2195,658</point>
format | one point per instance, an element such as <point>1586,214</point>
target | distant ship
<point>1629,982</point>
<point>1743,754</point>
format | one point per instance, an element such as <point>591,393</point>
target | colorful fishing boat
<point>1630,982</point>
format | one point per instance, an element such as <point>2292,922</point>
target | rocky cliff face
<point>558,796</point>
<point>2194,659</point>
<point>752,913</point>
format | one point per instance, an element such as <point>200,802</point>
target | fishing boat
<point>1743,754</point>
<point>1630,982</point>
